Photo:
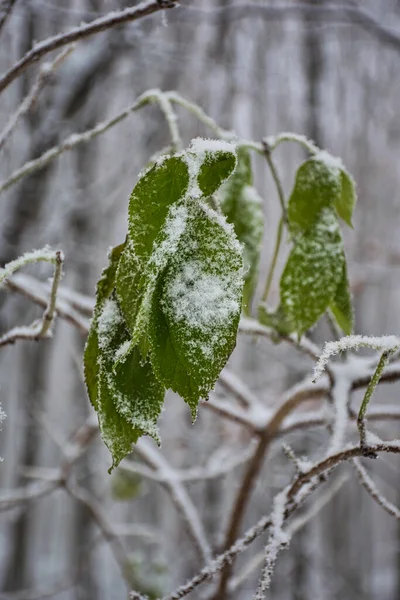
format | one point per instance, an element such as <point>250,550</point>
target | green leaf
<point>341,305</point>
<point>213,161</point>
<point>313,272</point>
<point>347,199</point>
<point>196,307</point>
<point>130,396</point>
<point>242,207</point>
<point>317,186</point>
<point>156,192</point>
<point>104,289</point>
<point>128,400</point>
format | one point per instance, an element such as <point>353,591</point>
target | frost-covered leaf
<point>128,400</point>
<point>347,199</point>
<point>130,397</point>
<point>210,162</point>
<point>104,289</point>
<point>341,305</point>
<point>242,207</point>
<point>156,192</point>
<point>317,186</point>
<point>196,307</point>
<point>313,272</point>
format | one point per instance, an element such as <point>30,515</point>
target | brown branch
<point>112,19</point>
<point>265,522</point>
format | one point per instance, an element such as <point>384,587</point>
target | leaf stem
<point>274,172</point>
<point>274,141</point>
<point>271,271</point>
<point>383,361</point>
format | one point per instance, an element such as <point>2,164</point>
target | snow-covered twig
<point>385,343</point>
<point>38,329</point>
<point>45,73</point>
<point>251,326</point>
<point>373,491</point>
<point>112,19</point>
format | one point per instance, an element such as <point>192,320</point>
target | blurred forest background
<point>258,73</point>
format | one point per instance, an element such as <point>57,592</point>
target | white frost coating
<point>385,343</point>
<point>174,228</point>
<point>278,539</point>
<point>333,162</point>
<point>122,351</point>
<point>202,300</point>
<point>194,158</point>
<point>45,254</point>
<point>109,319</point>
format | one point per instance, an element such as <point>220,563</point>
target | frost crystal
<point>385,343</point>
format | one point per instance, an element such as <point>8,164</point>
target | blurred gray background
<point>258,73</point>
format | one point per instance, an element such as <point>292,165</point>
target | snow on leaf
<point>210,163</point>
<point>151,200</point>
<point>313,272</point>
<point>127,400</point>
<point>317,186</point>
<point>196,307</point>
<point>242,207</point>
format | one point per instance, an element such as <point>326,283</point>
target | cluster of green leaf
<point>169,302</point>
<point>314,278</point>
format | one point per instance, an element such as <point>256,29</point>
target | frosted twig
<point>274,141</point>
<point>239,389</point>
<point>199,113</point>
<point>251,326</point>
<point>70,143</point>
<point>179,495</point>
<point>45,73</point>
<point>43,255</point>
<point>112,19</point>
<point>37,293</point>
<point>170,116</point>
<point>278,539</point>
<point>38,329</point>
<point>384,343</point>
<point>293,527</point>
<point>340,400</point>
<point>192,474</point>
<point>373,491</point>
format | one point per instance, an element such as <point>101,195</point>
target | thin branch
<point>39,329</point>
<point>373,491</point>
<point>45,73</point>
<point>276,178</point>
<point>179,495</point>
<point>112,19</point>
<point>251,326</point>
<point>35,291</point>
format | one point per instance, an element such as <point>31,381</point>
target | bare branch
<point>373,491</point>
<point>112,19</point>
<point>178,494</point>
<point>45,73</point>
